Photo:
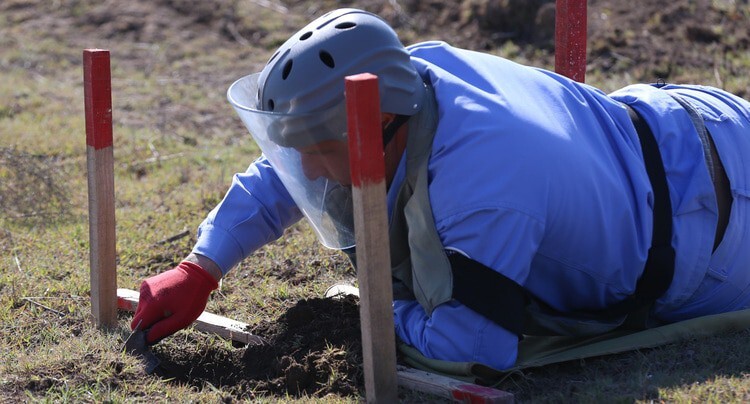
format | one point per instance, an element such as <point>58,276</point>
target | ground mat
<point>540,351</point>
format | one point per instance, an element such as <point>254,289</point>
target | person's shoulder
<point>427,45</point>
<point>634,90</point>
<point>429,51</point>
<point>441,47</point>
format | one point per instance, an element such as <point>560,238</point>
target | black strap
<point>390,131</point>
<point>659,270</point>
<point>504,301</point>
<point>488,292</point>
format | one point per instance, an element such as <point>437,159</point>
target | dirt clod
<point>313,349</point>
<point>313,341</point>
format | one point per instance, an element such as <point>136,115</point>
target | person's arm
<point>455,333</point>
<point>503,239</point>
<point>255,211</point>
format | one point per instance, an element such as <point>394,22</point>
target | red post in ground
<point>97,88</point>
<point>570,39</point>
<point>371,232</point>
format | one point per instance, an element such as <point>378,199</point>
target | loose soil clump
<point>312,350</point>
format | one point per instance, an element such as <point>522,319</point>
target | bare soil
<point>314,348</point>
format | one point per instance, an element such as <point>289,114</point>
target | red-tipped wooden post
<point>97,88</point>
<point>570,39</point>
<point>371,233</point>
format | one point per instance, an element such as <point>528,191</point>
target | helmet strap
<point>389,131</point>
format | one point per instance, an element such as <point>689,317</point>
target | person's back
<point>543,180</point>
<point>538,177</point>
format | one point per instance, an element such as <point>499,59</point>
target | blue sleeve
<point>255,211</point>
<point>501,238</point>
<point>455,333</point>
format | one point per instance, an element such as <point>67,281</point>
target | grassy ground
<point>177,143</point>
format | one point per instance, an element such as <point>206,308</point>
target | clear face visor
<point>309,153</point>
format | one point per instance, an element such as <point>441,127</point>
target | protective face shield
<point>285,139</point>
<point>296,111</point>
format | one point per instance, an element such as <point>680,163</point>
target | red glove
<point>172,300</point>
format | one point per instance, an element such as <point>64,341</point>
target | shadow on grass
<point>704,368</point>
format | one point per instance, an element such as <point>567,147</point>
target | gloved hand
<point>172,300</point>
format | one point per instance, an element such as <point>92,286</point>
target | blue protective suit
<point>542,179</point>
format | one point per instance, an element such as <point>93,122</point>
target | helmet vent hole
<point>272,57</point>
<point>327,59</point>
<point>306,35</point>
<point>287,69</point>
<point>346,25</point>
<point>270,105</point>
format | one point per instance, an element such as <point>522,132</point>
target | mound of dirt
<point>314,349</point>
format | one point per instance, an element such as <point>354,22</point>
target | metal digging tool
<point>136,345</point>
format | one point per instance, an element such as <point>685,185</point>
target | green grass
<point>177,144</point>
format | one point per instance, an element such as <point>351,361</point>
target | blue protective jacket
<point>542,179</point>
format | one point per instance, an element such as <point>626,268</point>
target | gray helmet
<point>298,100</point>
<point>304,79</point>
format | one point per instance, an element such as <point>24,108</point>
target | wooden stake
<point>100,161</point>
<point>446,387</point>
<point>371,233</point>
<point>570,39</point>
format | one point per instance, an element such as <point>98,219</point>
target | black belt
<point>659,270</point>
